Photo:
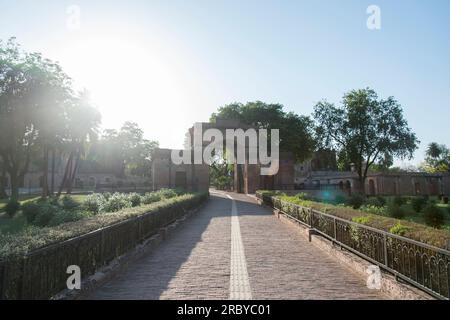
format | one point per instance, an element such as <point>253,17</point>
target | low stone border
<point>121,263</point>
<point>389,285</point>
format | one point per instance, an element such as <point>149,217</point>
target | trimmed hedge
<point>436,237</point>
<point>33,265</point>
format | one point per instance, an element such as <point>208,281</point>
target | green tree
<point>83,122</point>
<point>365,130</point>
<point>437,158</point>
<point>296,132</point>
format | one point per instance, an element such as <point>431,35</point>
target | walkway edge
<point>389,285</point>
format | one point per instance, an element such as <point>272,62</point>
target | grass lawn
<point>417,217</point>
<point>18,222</point>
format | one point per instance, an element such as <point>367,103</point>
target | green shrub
<point>399,201</point>
<point>381,211</point>
<point>64,216</point>
<point>151,197</point>
<point>167,193</point>
<point>396,211</point>
<point>382,200</point>
<point>116,202</point>
<point>135,199</point>
<point>362,220</point>
<point>399,229</point>
<point>339,199</point>
<point>433,216</point>
<point>46,212</point>
<point>374,202</point>
<point>68,203</point>
<point>12,207</point>
<point>302,196</point>
<point>94,203</point>
<point>355,201</point>
<point>418,203</point>
<point>106,195</point>
<point>30,211</point>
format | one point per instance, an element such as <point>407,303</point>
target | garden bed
<point>33,263</point>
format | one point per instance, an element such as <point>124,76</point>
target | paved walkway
<point>239,250</point>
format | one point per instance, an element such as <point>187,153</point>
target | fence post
<point>335,231</point>
<point>385,249</point>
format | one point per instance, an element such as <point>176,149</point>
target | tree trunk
<point>72,176</point>
<point>66,173</point>
<point>3,193</point>
<point>45,174</point>
<point>14,186</point>
<point>52,188</point>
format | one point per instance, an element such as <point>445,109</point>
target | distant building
<point>314,174</point>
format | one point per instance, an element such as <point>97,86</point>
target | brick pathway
<point>221,253</point>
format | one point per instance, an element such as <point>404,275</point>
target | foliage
<point>340,199</point>
<point>94,202</point>
<point>365,130</point>
<point>30,211</point>
<point>68,203</point>
<point>64,216</point>
<point>399,201</point>
<point>151,197</point>
<point>356,200</point>
<point>46,212</point>
<point>374,202</point>
<point>167,193</point>
<point>417,203</point>
<point>296,132</point>
<point>437,158</point>
<point>416,231</point>
<point>12,207</point>
<point>362,220</point>
<point>395,211</point>
<point>34,238</point>
<point>399,229</point>
<point>373,209</point>
<point>116,202</point>
<point>135,199</point>
<point>433,216</point>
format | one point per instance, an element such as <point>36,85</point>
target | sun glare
<point>127,79</point>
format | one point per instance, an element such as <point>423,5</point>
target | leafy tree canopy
<point>365,130</point>
<point>296,132</point>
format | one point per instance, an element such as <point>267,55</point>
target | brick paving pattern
<point>195,261</point>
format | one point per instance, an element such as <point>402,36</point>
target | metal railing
<point>421,265</point>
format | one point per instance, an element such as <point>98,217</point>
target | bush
<point>30,211</point>
<point>374,202</point>
<point>399,201</point>
<point>135,199</point>
<point>167,193</point>
<point>68,203</point>
<point>151,197</point>
<point>418,203</point>
<point>106,195</point>
<point>382,200</point>
<point>433,216</point>
<point>399,229</point>
<point>64,216</point>
<point>362,220</point>
<point>381,211</point>
<point>94,203</point>
<point>355,201</point>
<point>396,211</point>
<point>45,214</point>
<point>116,202</point>
<point>339,199</point>
<point>12,207</point>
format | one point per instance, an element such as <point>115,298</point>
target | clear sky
<point>166,64</point>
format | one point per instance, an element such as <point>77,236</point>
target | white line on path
<point>239,281</point>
